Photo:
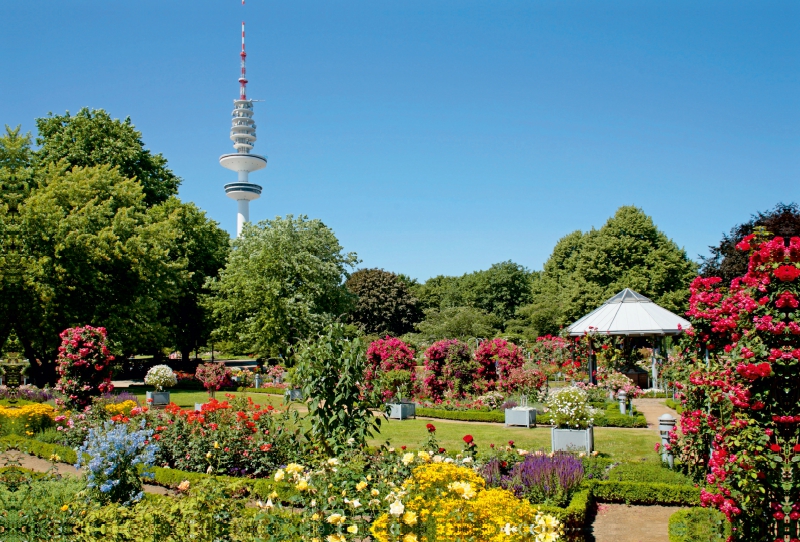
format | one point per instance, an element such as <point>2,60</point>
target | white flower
<point>467,460</point>
<point>355,504</point>
<point>160,376</point>
<point>396,509</point>
<point>333,461</point>
<point>408,459</point>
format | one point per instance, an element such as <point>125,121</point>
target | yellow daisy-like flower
<point>315,516</point>
<point>463,489</point>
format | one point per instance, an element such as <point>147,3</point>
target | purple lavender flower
<point>545,479</point>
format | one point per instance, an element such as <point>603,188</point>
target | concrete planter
<point>526,417</point>
<point>158,398</point>
<point>571,440</point>
<point>198,406</point>
<point>401,411</point>
<point>295,394</point>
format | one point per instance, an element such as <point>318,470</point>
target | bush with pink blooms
<point>388,361</point>
<point>739,432</point>
<point>214,376</point>
<point>450,370</point>
<point>496,359</point>
<point>83,365</point>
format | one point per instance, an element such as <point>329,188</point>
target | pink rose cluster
<point>83,365</point>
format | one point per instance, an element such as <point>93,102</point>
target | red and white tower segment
<point>243,135</point>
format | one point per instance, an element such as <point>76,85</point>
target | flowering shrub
<point>237,437</point>
<point>116,450</point>
<point>26,392</point>
<point>449,366</point>
<point>559,355</point>
<point>125,408</point>
<point>214,376</point>
<point>526,380</point>
<point>496,359</point>
<point>615,382</point>
<point>741,403</point>
<point>84,364</point>
<point>442,501</point>
<point>160,377</point>
<point>26,419</point>
<point>541,478</point>
<point>569,408</point>
<point>384,356</point>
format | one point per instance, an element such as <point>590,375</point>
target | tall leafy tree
<point>92,138</point>
<point>585,269</point>
<point>283,282</point>
<point>205,247</point>
<point>727,262</point>
<point>456,323</point>
<point>383,304</point>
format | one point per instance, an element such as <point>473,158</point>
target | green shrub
<point>40,449</point>
<point>496,416</point>
<point>698,525</point>
<point>267,389</point>
<point>647,472</point>
<point>674,405</point>
<point>574,515</point>
<point>646,493</point>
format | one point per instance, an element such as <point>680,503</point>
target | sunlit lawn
<point>188,398</point>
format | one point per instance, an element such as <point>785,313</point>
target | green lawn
<point>620,444</point>
<point>188,398</point>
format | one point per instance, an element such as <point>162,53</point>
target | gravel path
<point>622,523</point>
<point>652,409</point>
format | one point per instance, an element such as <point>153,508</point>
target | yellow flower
<point>336,538</point>
<point>352,529</point>
<point>425,456</point>
<point>302,485</point>
<point>408,459</point>
<point>464,489</point>
<point>374,492</point>
<point>410,538</point>
<point>208,455</point>
<point>279,475</point>
<point>361,485</point>
<point>216,445</point>
<point>410,518</point>
<point>336,519</point>
<point>397,508</point>
<point>315,516</point>
<point>274,495</point>
<point>294,468</point>
<point>55,457</point>
<point>64,508</point>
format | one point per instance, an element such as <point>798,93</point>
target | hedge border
<point>462,415</point>
<point>645,493</point>
<point>687,525</point>
<point>266,390</point>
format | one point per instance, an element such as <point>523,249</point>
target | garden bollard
<point>665,424</point>
<point>257,381</point>
<point>623,402</point>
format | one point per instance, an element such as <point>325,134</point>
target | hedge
<point>674,405</point>
<point>650,472</point>
<point>694,524</point>
<point>42,450</point>
<point>574,515</point>
<point>645,493</point>
<point>496,416</point>
<point>268,389</point>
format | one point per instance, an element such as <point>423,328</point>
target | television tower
<point>243,135</point>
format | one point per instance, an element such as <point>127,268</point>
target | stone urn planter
<point>402,410</point>
<point>521,416</point>
<point>573,439</point>
<point>295,394</point>
<point>158,398</point>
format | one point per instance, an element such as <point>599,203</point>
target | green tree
<point>92,254</point>
<point>205,247</point>
<point>585,269</point>
<point>92,138</point>
<point>283,282</point>
<point>383,304</point>
<point>456,323</point>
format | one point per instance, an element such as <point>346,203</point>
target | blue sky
<point>441,137</point>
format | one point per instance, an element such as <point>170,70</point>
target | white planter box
<point>198,406</point>
<point>401,411</point>
<point>158,398</point>
<point>573,439</point>
<point>521,417</point>
<point>294,394</point>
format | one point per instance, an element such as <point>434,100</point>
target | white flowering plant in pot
<point>569,408</point>
<point>160,377</point>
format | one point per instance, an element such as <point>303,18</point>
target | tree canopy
<point>283,282</point>
<point>92,138</point>
<point>585,269</point>
<point>727,262</point>
<point>383,304</point>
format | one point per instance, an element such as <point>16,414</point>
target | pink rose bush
<point>385,356</point>
<point>83,365</point>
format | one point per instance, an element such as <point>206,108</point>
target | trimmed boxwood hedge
<point>267,389</point>
<point>645,493</point>
<point>674,405</point>
<point>694,524</point>
<point>42,450</point>
<point>496,416</point>
<point>574,515</point>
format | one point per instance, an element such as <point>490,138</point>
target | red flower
<point>431,428</point>
<point>468,439</point>
<point>775,447</point>
<point>796,448</point>
<point>441,450</point>
<point>511,443</point>
<point>787,273</point>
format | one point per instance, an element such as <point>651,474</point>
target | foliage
<point>331,369</point>
<point>569,408</point>
<point>449,368</point>
<point>459,322</point>
<point>645,493</point>
<point>727,262</point>
<point>93,138</point>
<point>496,359</point>
<point>115,453</point>
<point>213,375</point>
<point>84,365</point>
<point>26,419</point>
<point>237,438</point>
<point>740,403</point>
<point>160,376</point>
<point>463,415</point>
<point>698,524</point>
<point>283,283</point>
<point>543,478</point>
<point>383,302</point>
<point>386,356</point>
<point>649,472</point>
<point>585,269</point>
<point>554,355</point>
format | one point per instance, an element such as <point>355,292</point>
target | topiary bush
<point>698,525</point>
<point>83,365</point>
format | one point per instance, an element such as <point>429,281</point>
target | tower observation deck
<point>243,162</point>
